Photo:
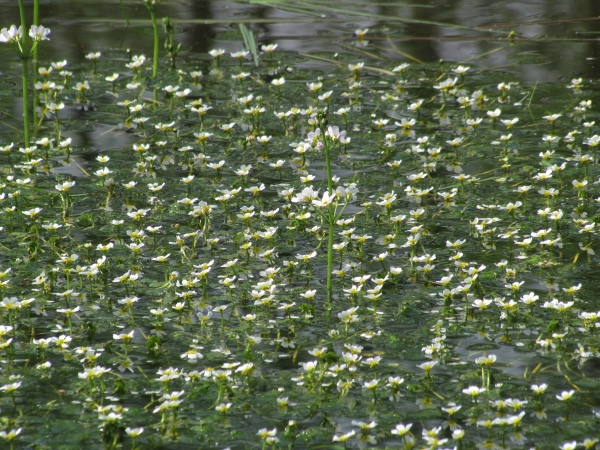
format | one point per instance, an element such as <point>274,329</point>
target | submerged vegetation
<point>395,255</point>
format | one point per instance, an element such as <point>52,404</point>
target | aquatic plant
<point>17,37</point>
<point>152,5</point>
<point>354,256</point>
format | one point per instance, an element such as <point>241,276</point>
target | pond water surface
<point>164,246</point>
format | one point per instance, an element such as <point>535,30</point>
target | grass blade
<point>249,42</point>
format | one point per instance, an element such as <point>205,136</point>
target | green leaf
<point>249,42</point>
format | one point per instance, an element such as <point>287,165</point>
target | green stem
<point>25,101</point>
<point>155,58</point>
<point>330,255</point>
<point>24,59</point>
<point>36,22</point>
<point>23,25</point>
<point>331,227</point>
<point>57,123</point>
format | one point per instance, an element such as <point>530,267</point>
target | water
<point>170,318</point>
<point>554,39</point>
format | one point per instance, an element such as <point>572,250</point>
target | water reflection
<point>80,27</point>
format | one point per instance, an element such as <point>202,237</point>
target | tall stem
<point>331,226</point>
<point>155,29</point>
<point>25,101</point>
<point>24,58</point>
<point>36,97</point>
<point>23,25</point>
<point>330,255</point>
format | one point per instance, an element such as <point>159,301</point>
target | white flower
<point>32,212</point>
<point>473,391</point>
<point>307,194</point>
<point>349,315</point>
<point>216,53</point>
<point>565,395</point>
<point>446,85</point>
<point>309,366</point>
<point>335,134</point>
<point>344,437</point>
<point>96,55</point>
<point>494,114</point>
<point>134,432</point>
<point>65,187</point>
<point>486,360</point>
<point>325,201</point>
<point>241,54</point>
<point>39,33</point>
<point>11,35</point>
<point>458,434</point>
<point>460,70</point>
<point>401,429</point>
<point>427,366</point>
<point>223,407</point>
<point>264,433</point>
<point>9,436</point>
<point>401,68</point>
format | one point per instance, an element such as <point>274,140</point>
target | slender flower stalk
<point>328,141</point>
<point>155,30</point>
<point>151,5</point>
<point>18,38</point>
<point>331,226</point>
<point>36,22</point>
<point>25,99</point>
<point>24,61</point>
